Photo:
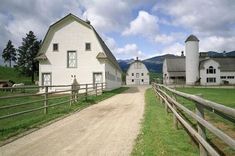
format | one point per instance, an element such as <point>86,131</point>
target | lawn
<point>158,136</point>
<point>15,125</point>
<point>7,73</point>
<point>225,96</point>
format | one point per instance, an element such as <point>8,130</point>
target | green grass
<point>7,73</point>
<point>225,96</point>
<point>158,136</point>
<point>155,77</point>
<point>15,125</point>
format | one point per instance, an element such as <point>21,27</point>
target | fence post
<point>96,89</point>
<point>46,99</point>
<point>174,117</point>
<point>71,97</point>
<point>102,88</point>
<point>201,129</point>
<point>86,91</point>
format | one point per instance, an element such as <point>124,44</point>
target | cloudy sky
<point>131,28</point>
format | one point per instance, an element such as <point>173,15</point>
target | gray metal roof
<point>226,63</point>
<point>175,64</point>
<point>192,38</point>
<point>177,74</point>
<point>107,52</point>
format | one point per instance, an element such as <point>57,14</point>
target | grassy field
<point>15,125</point>
<point>155,77</point>
<point>225,96</point>
<point>7,73</point>
<point>158,136</point>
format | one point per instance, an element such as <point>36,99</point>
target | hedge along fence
<point>199,134</point>
<point>73,92</point>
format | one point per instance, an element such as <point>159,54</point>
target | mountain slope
<point>154,64</point>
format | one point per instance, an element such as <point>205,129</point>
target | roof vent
<point>88,22</point>
<point>182,53</point>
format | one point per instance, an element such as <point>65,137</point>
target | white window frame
<point>68,59</point>
<point>43,77</point>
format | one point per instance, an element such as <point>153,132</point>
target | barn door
<point>46,79</point>
<point>97,78</point>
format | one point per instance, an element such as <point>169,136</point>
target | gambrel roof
<point>226,63</point>
<point>177,64</point>
<point>107,54</point>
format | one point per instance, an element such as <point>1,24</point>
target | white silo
<point>192,59</point>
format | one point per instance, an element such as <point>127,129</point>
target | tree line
<point>24,56</point>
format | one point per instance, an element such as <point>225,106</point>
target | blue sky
<point>142,28</point>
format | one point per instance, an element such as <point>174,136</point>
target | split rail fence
<point>72,93</point>
<point>169,97</point>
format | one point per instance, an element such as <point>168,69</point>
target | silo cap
<point>192,38</point>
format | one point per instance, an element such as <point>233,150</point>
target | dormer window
<point>88,46</point>
<point>210,70</point>
<point>55,47</point>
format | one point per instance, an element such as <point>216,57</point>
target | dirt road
<point>107,128</point>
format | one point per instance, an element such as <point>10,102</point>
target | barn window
<point>210,70</point>
<point>211,80</point>
<point>88,46</point>
<point>72,59</point>
<point>46,79</point>
<point>132,80</point>
<point>55,47</point>
<point>142,80</point>
<point>132,74</point>
<point>137,75</point>
<point>142,74</point>
<point>230,77</point>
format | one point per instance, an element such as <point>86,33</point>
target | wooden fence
<point>168,97</point>
<point>74,92</point>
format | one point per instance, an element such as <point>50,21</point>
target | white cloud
<point>205,17</point>
<point>129,51</point>
<point>175,49</point>
<point>164,39</point>
<point>145,24</point>
<point>107,15</point>
<point>217,43</point>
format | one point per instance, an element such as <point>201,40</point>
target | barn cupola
<point>192,59</point>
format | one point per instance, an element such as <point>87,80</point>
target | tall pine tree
<point>26,62</point>
<point>9,53</point>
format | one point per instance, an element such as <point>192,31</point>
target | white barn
<point>73,49</point>
<point>137,74</point>
<point>198,69</point>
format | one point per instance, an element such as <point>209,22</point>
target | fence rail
<point>168,97</point>
<point>73,92</point>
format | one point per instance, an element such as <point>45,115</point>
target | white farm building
<point>197,68</point>
<point>73,49</point>
<point>137,74</point>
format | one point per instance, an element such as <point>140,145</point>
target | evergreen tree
<point>9,53</point>
<point>26,62</point>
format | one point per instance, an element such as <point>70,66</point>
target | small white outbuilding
<point>137,73</point>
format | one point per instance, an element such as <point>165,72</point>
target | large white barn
<point>73,49</point>
<point>198,69</point>
<point>137,73</point>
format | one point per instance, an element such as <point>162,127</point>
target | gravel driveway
<point>107,128</point>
